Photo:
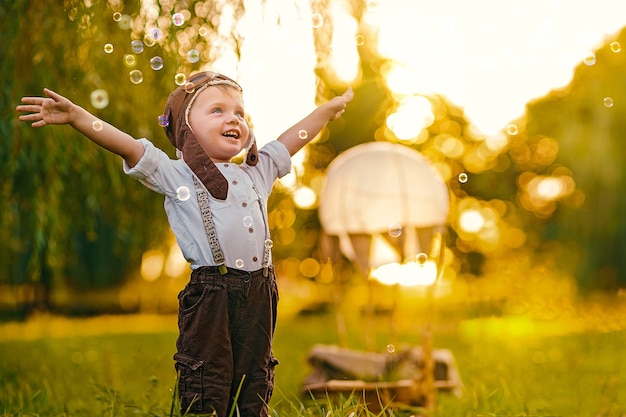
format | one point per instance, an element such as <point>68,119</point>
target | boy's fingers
<point>52,94</point>
<point>28,108</point>
<point>349,94</point>
<point>32,100</point>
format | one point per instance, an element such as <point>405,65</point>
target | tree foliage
<point>69,216</point>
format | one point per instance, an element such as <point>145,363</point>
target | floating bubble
<point>303,134</point>
<point>155,33</point>
<point>372,5</point>
<point>463,177</point>
<point>97,125</point>
<point>156,63</point>
<point>182,193</point>
<point>512,129</point>
<point>163,120</point>
<point>395,230</point>
<point>421,258</point>
<point>359,39</point>
<point>616,47</point>
<point>193,56</point>
<point>180,78</point>
<point>130,60</point>
<point>239,263</point>
<point>189,87</point>
<point>608,102</point>
<point>317,20</point>
<point>137,46</point>
<point>269,244</point>
<point>117,16</point>
<point>148,41</point>
<point>108,48</point>
<point>136,77</point>
<point>203,31</point>
<point>391,348</point>
<point>247,221</point>
<point>124,22</point>
<point>99,99</point>
<point>590,59</point>
<point>178,19</point>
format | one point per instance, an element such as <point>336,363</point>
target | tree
<point>69,216</point>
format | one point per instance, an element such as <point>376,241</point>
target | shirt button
<point>255,259</point>
<point>251,230</point>
<point>235,182</point>
<point>225,165</point>
<point>244,204</point>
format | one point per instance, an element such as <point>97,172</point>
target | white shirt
<point>240,220</point>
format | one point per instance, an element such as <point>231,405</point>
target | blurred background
<point>518,106</point>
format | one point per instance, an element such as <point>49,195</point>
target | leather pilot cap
<point>181,135</point>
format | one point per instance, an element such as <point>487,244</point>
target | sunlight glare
<point>471,221</point>
<point>414,114</point>
<point>345,57</point>
<point>409,274</point>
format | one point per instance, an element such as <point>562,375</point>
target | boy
<point>217,211</point>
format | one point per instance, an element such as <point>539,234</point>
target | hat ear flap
<point>252,153</point>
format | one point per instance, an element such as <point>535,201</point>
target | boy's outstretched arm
<point>306,129</point>
<point>54,109</point>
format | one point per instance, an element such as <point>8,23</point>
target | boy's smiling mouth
<point>232,134</point>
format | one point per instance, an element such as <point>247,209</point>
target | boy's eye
<point>216,110</point>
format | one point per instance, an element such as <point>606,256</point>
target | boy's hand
<point>51,110</point>
<point>338,104</point>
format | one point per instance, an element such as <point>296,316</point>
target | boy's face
<point>218,121</point>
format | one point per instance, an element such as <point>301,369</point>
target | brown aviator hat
<point>179,131</point>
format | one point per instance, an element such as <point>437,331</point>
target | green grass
<point>122,366</point>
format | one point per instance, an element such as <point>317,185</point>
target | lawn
<point>510,366</point>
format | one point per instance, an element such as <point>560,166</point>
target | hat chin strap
<point>202,166</point>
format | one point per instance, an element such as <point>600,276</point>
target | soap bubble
<point>608,102</point>
<point>421,258</point>
<point>463,177</point>
<point>180,78</point>
<point>269,243</point>
<point>130,60</point>
<point>124,22</point>
<point>590,59</point>
<point>136,77</point>
<point>99,98</point>
<point>247,221</point>
<point>239,263</point>
<point>616,47</point>
<point>156,63</point>
<point>97,125</point>
<point>303,134</point>
<point>155,33</point>
<point>137,46</point>
<point>193,56</point>
<point>395,230</point>
<point>512,129</point>
<point>190,88</point>
<point>163,120</point>
<point>317,20</point>
<point>182,193</point>
<point>108,48</point>
<point>178,19</point>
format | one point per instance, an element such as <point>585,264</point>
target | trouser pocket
<point>189,383</point>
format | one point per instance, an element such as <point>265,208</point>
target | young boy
<point>217,211</point>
